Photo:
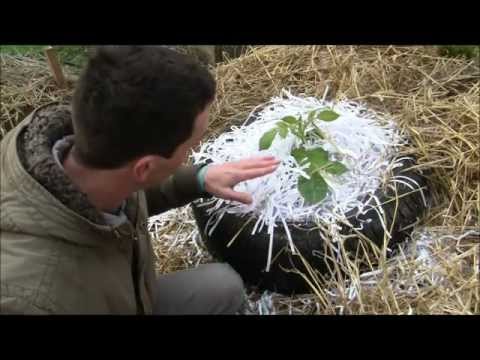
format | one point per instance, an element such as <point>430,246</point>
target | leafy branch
<point>313,189</point>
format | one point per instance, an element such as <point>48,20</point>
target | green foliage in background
<point>75,56</point>
<point>468,51</point>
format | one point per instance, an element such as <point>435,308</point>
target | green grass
<point>69,55</point>
<point>468,51</point>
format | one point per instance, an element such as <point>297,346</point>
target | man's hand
<point>220,179</point>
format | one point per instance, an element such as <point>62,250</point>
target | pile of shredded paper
<point>364,141</point>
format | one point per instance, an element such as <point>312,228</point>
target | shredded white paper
<point>361,139</point>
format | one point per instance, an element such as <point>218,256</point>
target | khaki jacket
<point>54,261</point>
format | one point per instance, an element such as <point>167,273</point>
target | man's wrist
<point>201,176</point>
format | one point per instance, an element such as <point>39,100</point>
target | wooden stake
<point>55,67</point>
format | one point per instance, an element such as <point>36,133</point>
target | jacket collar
<point>52,217</point>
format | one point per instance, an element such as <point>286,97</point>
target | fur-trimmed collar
<point>49,125</point>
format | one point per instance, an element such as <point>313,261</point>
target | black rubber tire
<point>248,254</point>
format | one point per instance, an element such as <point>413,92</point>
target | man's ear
<point>143,169</point>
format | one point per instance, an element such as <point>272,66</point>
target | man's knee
<point>226,286</point>
<point>209,289</point>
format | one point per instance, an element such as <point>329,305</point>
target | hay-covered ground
<point>433,98</point>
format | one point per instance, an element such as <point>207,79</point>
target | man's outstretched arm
<point>192,182</point>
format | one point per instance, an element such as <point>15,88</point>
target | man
<point>77,187</point>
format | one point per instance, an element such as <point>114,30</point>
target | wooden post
<point>55,67</point>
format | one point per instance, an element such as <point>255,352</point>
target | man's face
<point>160,168</point>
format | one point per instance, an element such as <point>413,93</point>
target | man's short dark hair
<point>137,100</point>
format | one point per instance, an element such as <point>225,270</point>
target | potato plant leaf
<point>314,189</point>
<point>267,139</point>
<point>328,115</point>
